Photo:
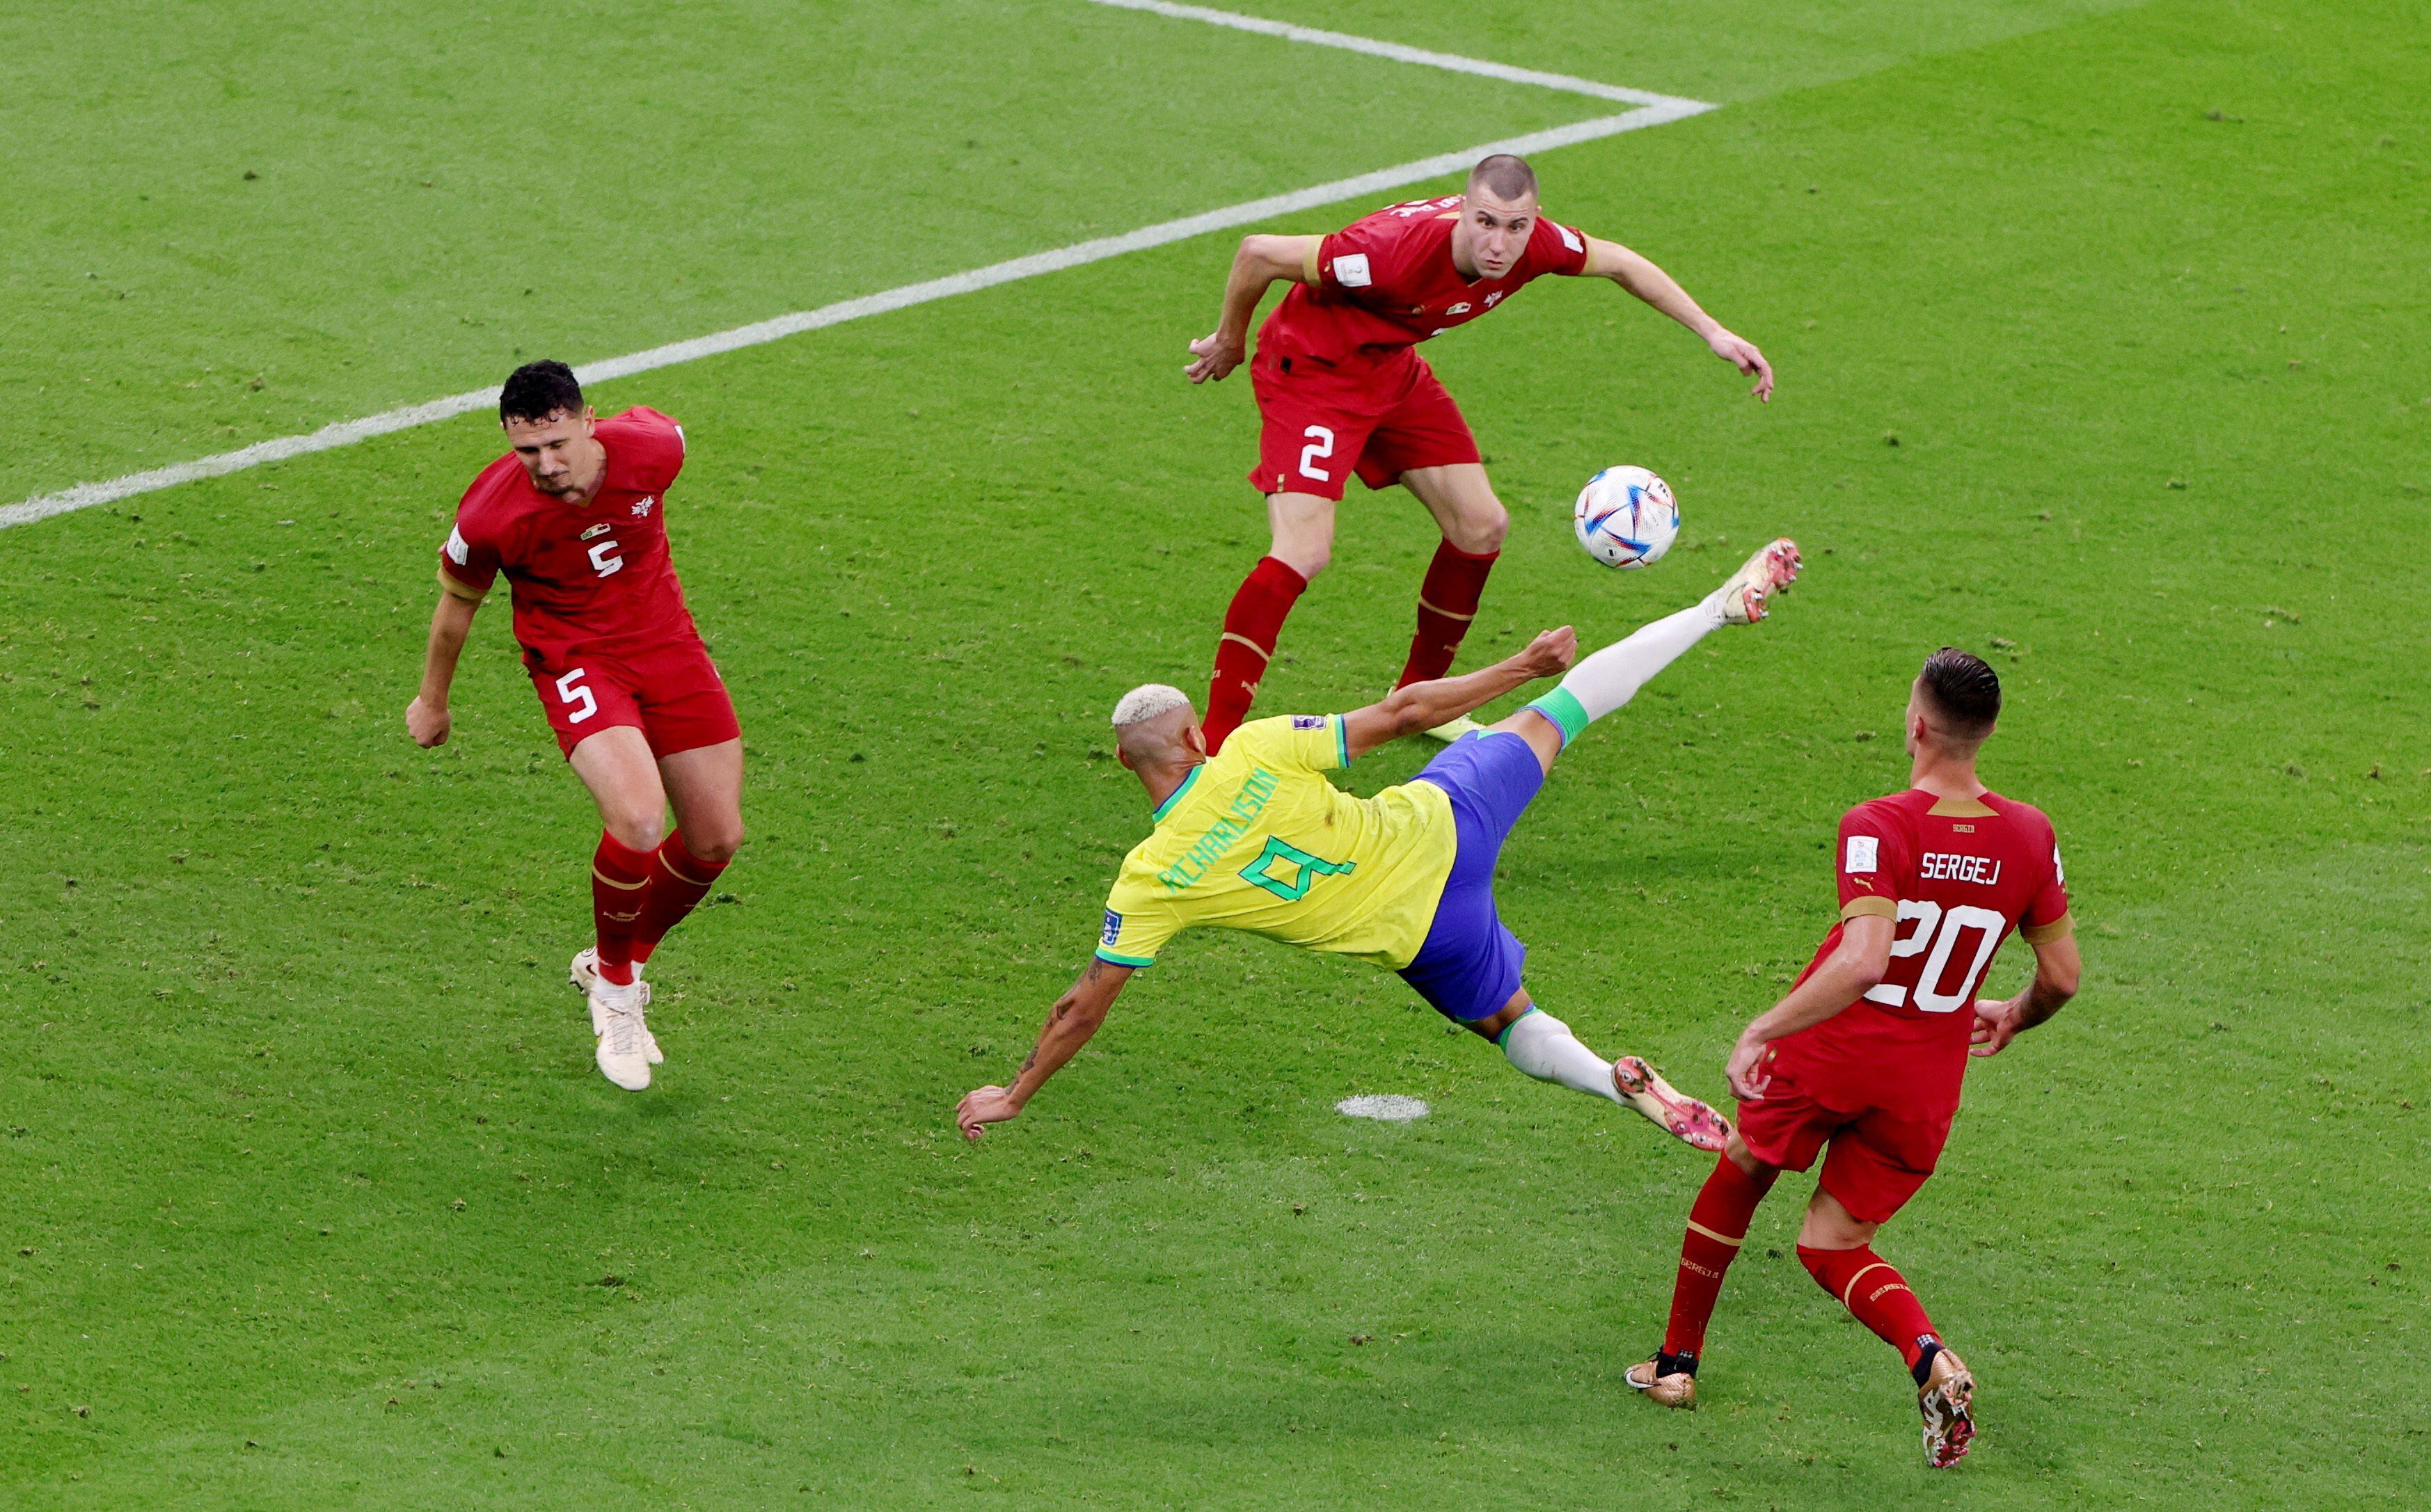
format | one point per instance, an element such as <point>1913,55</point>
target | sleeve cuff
<point>1869,907</point>
<point>460,590</point>
<point>1342,739</point>
<point>1312,262</point>
<point>2059,928</point>
<point>1111,959</point>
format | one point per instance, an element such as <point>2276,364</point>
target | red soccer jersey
<point>1386,281</point>
<point>592,578</point>
<point>1955,877</point>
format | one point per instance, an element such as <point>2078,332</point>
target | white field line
<point>1652,110</point>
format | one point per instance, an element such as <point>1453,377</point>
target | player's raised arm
<point>427,717</point>
<point>1423,706</point>
<point>2057,968</point>
<point>1262,263</point>
<point>1610,260</point>
<point>1075,1017</point>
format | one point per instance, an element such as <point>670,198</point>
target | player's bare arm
<point>1262,263</point>
<point>2058,969</point>
<point>1075,1017</point>
<point>1419,707</point>
<point>426,718</point>
<point>1610,260</point>
<point>1855,970</point>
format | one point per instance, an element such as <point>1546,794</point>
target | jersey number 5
<point>1319,447</point>
<point>600,560</point>
<point>576,697</point>
<point>1938,930</point>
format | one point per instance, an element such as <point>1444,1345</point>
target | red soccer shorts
<point>1320,422</point>
<point>671,693</point>
<point>1875,1157</point>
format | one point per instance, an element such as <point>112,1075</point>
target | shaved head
<point>1505,176</point>
<point>1152,728</point>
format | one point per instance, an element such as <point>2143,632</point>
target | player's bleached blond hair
<point>1147,702</point>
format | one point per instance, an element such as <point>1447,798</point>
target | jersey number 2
<point>1319,447</point>
<point>1938,930</point>
<point>577,698</point>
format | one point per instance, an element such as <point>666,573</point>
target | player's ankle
<point>1666,1363</point>
<point>1923,1368</point>
<point>619,973</point>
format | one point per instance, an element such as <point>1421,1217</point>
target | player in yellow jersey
<point>1257,839</point>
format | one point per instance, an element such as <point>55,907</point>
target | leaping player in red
<point>1862,1061</point>
<point>574,516</point>
<point>1341,388</point>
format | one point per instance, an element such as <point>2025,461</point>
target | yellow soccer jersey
<point>1258,839</point>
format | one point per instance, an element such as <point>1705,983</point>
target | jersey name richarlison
<point>1257,839</point>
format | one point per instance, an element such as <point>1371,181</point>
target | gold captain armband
<point>2059,928</point>
<point>449,585</point>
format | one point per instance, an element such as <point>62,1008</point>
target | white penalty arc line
<point>1652,110</point>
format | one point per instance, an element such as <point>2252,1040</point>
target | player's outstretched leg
<point>1607,679</point>
<point>1540,1045</point>
<point>1718,1224</point>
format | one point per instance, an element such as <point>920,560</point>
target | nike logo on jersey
<point>1941,866</point>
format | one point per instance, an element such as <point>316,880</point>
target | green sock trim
<point>1502,1040</point>
<point>1563,708</point>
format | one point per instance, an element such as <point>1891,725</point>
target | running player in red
<point>1862,1061</point>
<point>1341,388</point>
<point>574,516</point>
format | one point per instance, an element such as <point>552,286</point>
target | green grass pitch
<point>2101,333</point>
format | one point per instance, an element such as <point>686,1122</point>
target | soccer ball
<point>1626,517</point>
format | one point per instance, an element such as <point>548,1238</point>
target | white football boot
<point>1769,570</point>
<point>584,971</point>
<point>623,1049</point>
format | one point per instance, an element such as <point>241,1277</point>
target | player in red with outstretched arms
<point>1862,1061</point>
<point>574,516</point>
<point>1341,388</point>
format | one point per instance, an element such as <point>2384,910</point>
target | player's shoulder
<point>647,443</point>
<point>1279,735</point>
<point>1551,235</point>
<point>2017,811</point>
<point>498,493</point>
<point>1894,810</point>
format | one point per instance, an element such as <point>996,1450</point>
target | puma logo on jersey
<point>1942,866</point>
<point>600,529</point>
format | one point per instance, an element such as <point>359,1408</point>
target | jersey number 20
<point>1937,929</point>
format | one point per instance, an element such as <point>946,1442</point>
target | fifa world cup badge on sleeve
<point>1308,722</point>
<point>1350,270</point>
<point>1862,852</point>
<point>1114,930</point>
<point>456,551</point>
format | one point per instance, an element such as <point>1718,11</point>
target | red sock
<point>678,882</point>
<point>1716,1222</point>
<point>1867,1287</point>
<point>618,874</point>
<point>1447,603</point>
<point>1250,626</point>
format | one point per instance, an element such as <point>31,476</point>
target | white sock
<point>1542,1046</point>
<point>1611,677</point>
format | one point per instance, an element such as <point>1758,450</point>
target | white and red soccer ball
<point>1626,517</point>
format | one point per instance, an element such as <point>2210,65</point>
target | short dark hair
<point>1504,177</point>
<point>539,389</point>
<point>1963,691</point>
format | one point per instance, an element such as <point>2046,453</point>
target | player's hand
<point>1213,356</point>
<point>1995,1026</point>
<point>983,1106</point>
<point>1745,1071</point>
<point>1741,354</point>
<point>428,726</point>
<point>1549,653</point>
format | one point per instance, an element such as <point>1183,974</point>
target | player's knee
<point>1305,556</point>
<point>715,844</point>
<point>1480,531</point>
<point>635,827</point>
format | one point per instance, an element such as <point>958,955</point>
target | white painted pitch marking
<point>1452,62</point>
<point>1652,110</point>
<point>1386,1107</point>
